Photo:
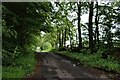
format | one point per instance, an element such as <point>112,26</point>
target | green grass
<point>13,72</point>
<point>23,66</point>
<point>94,60</point>
<point>0,72</point>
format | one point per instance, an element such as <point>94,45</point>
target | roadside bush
<point>62,49</point>
<point>85,51</point>
<point>54,50</point>
<point>13,72</point>
<point>27,63</point>
<point>24,65</point>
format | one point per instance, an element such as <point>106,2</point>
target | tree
<point>91,44</point>
<point>20,20</point>
<point>79,27</point>
<point>97,27</point>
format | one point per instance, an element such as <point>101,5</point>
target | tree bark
<point>79,27</point>
<point>62,38</point>
<point>97,27</point>
<point>65,38</point>
<point>91,45</point>
<point>70,39</point>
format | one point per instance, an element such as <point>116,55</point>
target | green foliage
<point>9,57</point>
<point>0,71</point>
<point>54,50</point>
<point>23,66</point>
<point>85,51</point>
<point>27,63</point>
<point>13,72</point>
<point>40,41</point>
<point>47,47</point>
<point>62,49</point>
<point>20,20</point>
<point>22,24</point>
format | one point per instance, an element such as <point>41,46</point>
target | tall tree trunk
<point>70,39</point>
<point>79,27</point>
<point>58,38</point>
<point>109,37</point>
<point>62,38</point>
<point>97,27</point>
<point>76,40</point>
<point>91,45</point>
<point>65,38</point>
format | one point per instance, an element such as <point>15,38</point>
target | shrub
<point>62,49</point>
<point>24,65</point>
<point>13,72</point>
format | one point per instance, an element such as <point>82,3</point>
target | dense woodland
<point>55,26</point>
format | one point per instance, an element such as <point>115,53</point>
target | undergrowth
<point>22,66</point>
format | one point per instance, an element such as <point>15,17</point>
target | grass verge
<point>94,60</point>
<point>23,67</point>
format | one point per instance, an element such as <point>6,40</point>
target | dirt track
<point>55,67</point>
